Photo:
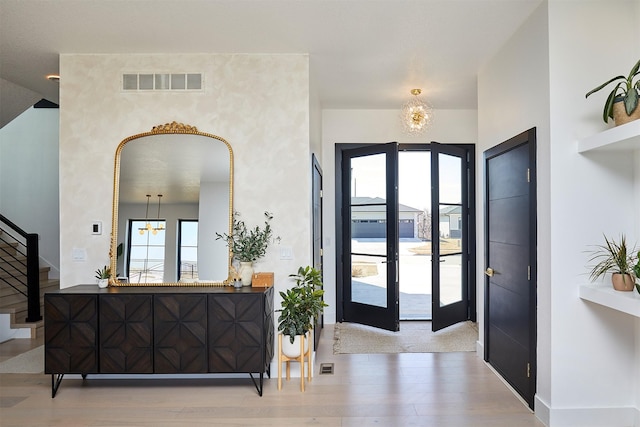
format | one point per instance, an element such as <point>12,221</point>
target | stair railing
<point>27,246</point>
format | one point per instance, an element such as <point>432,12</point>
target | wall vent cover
<point>143,82</point>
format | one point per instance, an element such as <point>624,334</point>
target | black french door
<point>368,238</point>
<point>449,257</point>
<point>370,235</point>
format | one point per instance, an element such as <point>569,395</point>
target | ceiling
<point>364,54</point>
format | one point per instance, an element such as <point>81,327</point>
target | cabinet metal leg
<point>258,385</point>
<point>56,379</point>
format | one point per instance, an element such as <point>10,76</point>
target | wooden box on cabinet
<point>262,280</point>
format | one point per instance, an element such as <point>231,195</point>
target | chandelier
<point>148,227</point>
<point>416,114</point>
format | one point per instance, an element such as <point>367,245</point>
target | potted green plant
<point>103,274</point>
<point>301,305</point>
<point>248,244</point>
<point>615,258</point>
<point>622,103</point>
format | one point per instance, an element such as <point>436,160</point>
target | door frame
<point>339,232</point>
<point>316,227</point>
<point>526,137</point>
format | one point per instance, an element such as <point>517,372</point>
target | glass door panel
<point>370,292</point>
<point>449,259</point>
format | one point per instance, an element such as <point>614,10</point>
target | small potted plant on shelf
<point>622,103</point>
<point>301,305</point>
<point>103,274</point>
<point>615,258</point>
<point>248,244</point>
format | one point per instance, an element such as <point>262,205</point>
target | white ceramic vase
<point>103,283</point>
<point>246,272</point>
<point>293,350</point>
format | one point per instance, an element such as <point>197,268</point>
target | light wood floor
<point>388,390</point>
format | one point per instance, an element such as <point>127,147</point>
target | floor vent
<point>326,369</point>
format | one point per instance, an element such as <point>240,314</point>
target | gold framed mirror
<point>172,192</point>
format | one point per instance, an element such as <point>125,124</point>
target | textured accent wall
<point>259,103</point>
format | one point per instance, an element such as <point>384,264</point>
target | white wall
<point>585,335</point>
<point>539,79</point>
<point>15,100</point>
<point>374,126</point>
<point>513,96</point>
<point>213,253</point>
<point>29,179</point>
<point>258,103</point>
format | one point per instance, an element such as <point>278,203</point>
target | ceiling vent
<point>142,82</point>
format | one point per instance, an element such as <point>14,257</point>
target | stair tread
<point>31,325</point>
<point>14,270</point>
<point>11,257</point>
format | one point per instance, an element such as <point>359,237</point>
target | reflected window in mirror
<point>188,249</point>
<point>145,261</point>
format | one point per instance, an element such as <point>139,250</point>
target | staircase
<point>12,302</point>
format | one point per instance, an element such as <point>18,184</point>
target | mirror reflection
<point>172,193</point>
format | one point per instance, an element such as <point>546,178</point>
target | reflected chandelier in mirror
<point>186,177</point>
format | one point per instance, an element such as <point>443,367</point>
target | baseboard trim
<point>542,410</point>
<point>594,417</point>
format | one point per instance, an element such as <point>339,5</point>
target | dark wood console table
<point>158,330</point>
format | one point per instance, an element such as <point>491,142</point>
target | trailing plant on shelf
<point>249,244</point>
<point>302,303</point>
<point>626,91</point>
<point>616,258</point>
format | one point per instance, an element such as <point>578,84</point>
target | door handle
<point>489,272</point>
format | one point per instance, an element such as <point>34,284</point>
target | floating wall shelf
<point>620,138</point>
<point>626,302</point>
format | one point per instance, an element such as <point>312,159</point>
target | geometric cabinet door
<point>180,333</point>
<point>71,333</point>
<point>126,334</point>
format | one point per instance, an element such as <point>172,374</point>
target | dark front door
<point>369,264</point>
<point>510,261</point>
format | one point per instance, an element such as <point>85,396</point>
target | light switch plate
<point>79,254</point>
<point>286,252</point>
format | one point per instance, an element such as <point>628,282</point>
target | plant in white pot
<point>622,103</point>
<point>103,274</point>
<point>614,257</point>
<point>248,244</point>
<point>301,305</point>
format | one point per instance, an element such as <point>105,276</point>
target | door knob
<point>489,272</point>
